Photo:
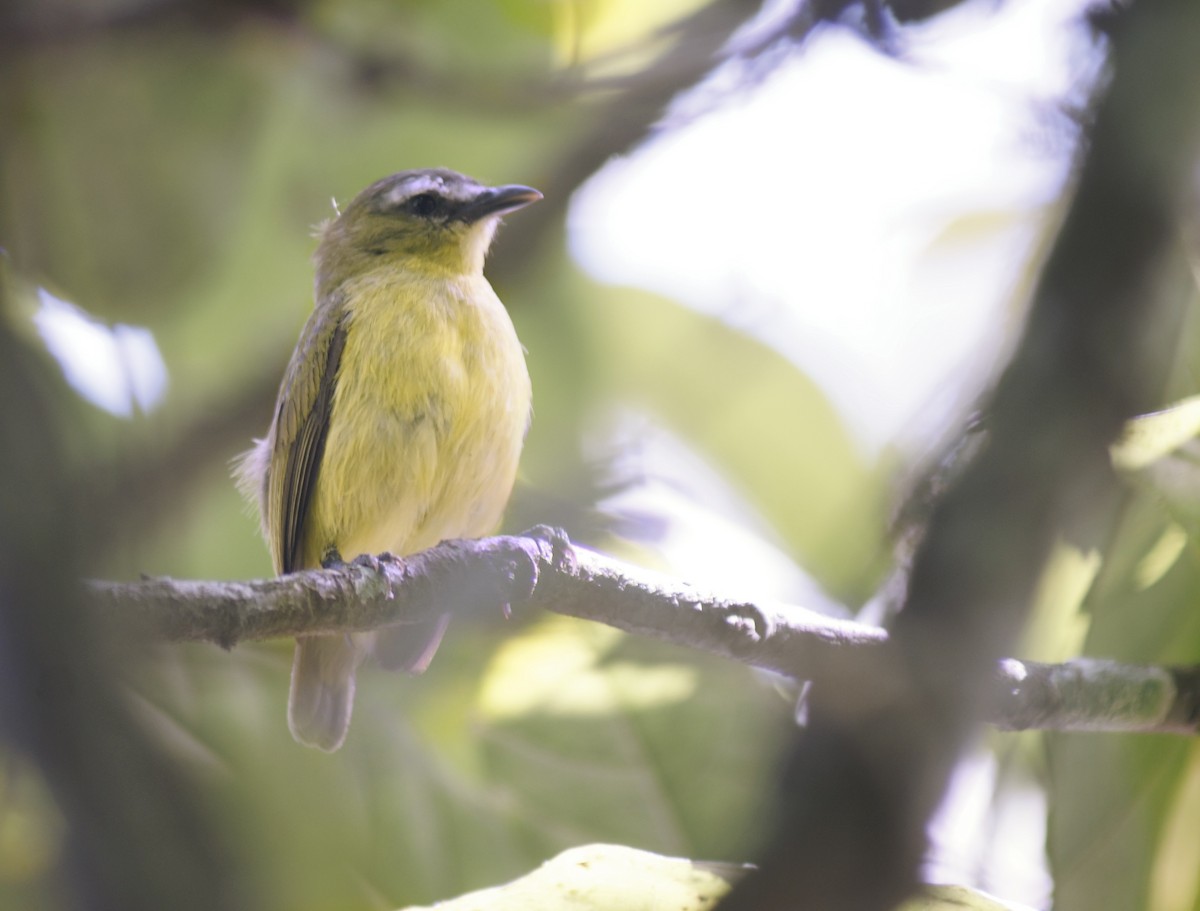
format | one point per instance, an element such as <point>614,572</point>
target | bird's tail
<point>409,647</point>
<point>322,696</point>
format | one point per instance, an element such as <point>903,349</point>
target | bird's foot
<point>562,554</point>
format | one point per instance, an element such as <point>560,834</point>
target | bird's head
<point>433,220</point>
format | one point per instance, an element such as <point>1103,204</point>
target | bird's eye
<point>425,205</point>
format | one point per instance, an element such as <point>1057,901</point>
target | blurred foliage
<point>163,165</point>
<point>445,785</point>
<point>615,878</point>
<point>1125,813</point>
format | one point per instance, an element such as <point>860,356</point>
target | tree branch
<point>489,574</point>
<point>1094,694</point>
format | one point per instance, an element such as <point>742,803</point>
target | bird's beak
<point>497,201</point>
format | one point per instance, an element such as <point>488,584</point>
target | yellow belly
<point>429,414</point>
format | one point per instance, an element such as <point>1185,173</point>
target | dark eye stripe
<point>425,205</point>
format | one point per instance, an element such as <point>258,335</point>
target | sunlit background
<point>747,334</point>
<point>868,217</point>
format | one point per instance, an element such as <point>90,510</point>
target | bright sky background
<point>118,368</point>
<point>809,210</point>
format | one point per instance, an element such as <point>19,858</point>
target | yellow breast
<point>431,405</point>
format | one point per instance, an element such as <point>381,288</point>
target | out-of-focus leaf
<point>31,833</point>
<point>1161,556</point>
<point>1113,797</point>
<point>127,167</point>
<point>459,779</point>
<point>602,877</point>
<point>757,416</point>
<point>462,44</point>
<point>950,898</point>
<point>559,669</point>
<point>1110,797</point>
<point>1149,437</point>
<point>606,741</point>
<point>620,33</point>
<point>1175,878</point>
<point>1057,629</point>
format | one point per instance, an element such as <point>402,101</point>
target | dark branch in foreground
<point>496,573</point>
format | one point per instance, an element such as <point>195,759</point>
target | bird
<point>400,418</point>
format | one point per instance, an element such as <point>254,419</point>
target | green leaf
<point>603,877</point>
<point>765,424</point>
<point>1149,437</point>
<point>957,898</point>
<point>1114,798</point>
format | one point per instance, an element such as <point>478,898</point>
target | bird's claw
<point>560,545</point>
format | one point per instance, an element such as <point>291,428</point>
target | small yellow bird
<point>400,418</point>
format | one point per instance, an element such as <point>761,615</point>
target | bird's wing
<point>301,424</point>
